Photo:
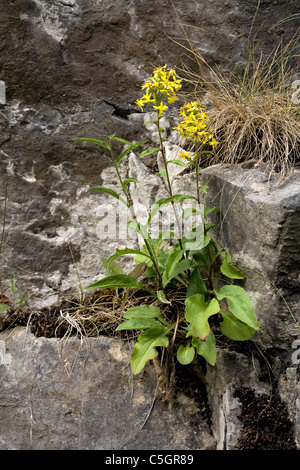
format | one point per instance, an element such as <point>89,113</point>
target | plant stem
<point>162,149</point>
<point>129,203</point>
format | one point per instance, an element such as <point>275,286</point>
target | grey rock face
<point>73,68</point>
<point>232,371</point>
<point>259,227</point>
<point>73,396</point>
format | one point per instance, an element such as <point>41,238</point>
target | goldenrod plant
<point>190,260</point>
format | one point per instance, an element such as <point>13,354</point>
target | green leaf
<point>141,317</point>
<point>145,311</point>
<point>149,151</point>
<point>203,188</point>
<point>207,348</point>
<point>198,311</point>
<point>143,256</point>
<point>234,328</point>
<point>162,236</point>
<point>126,182</point>
<point>114,268</point>
<point>95,141</point>
<point>119,139</point>
<point>181,267</point>
<point>161,173</point>
<point>195,239</point>
<point>145,347</point>
<point>185,354</point>
<point>201,256</point>
<point>172,260</point>
<point>162,297</point>
<point>3,308</point>
<point>230,271</point>
<point>119,280</point>
<point>111,192</point>
<point>207,210</point>
<point>158,205</point>
<point>135,226</point>
<point>128,150</point>
<point>239,304</point>
<point>138,324</point>
<point>138,270</point>
<point>126,251</point>
<point>189,211</point>
<point>196,285</point>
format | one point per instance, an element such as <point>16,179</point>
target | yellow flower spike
<point>194,124</point>
<point>140,103</point>
<point>148,98</point>
<point>172,99</point>
<point>185,156</point>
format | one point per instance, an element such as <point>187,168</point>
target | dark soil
<point>266,424</point>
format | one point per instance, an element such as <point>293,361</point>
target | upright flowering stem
<point>193,127</point>
<point>129,203</point>
<point>162,85</point>
<point>162,149</point>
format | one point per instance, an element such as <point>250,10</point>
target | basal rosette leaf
<point>127,251</point>
<point>185,354</point>
<point>145,347</point>
<point>207,348</point>
<point>196,285</point>
<point>122,281</point>
<point>234,329</point>
<point>141,318</point>
<point>3,308</point>
<point>197,313</point>
<point>239,304</point>
<point>114,267</point>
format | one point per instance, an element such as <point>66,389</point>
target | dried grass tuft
<point>252,112</point>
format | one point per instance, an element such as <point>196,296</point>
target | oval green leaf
<point>230,271</point>
<point>185,354</point>
<point>145,347</point>
<point>234,329</point>
<point>239,304</point>
<point>198,311</point>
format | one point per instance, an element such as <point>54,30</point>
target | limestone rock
<point>80,77</point>
<point>232,371</point>
<point>58,395</point>
<point>259,226</point>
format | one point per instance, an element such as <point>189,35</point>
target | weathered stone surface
<point>232,371</point>
<point>73,68</point>
<point>58,395</point>
<point>2,92</point>
<point>289,389</point>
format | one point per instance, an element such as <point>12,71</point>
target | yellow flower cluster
<point>194,125</point>
<point>185,156</point>
<point>162,85</point>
